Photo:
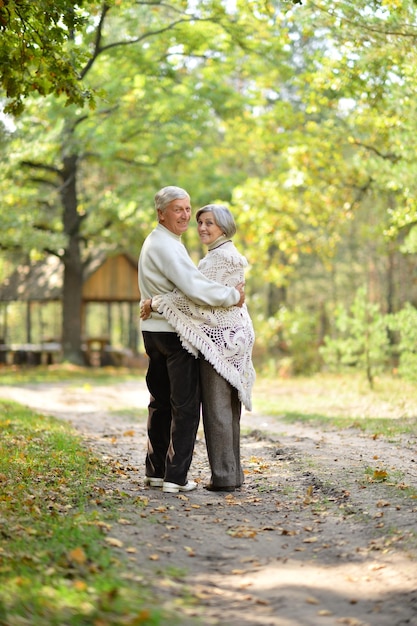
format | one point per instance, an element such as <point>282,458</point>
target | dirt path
<point>311,539</point>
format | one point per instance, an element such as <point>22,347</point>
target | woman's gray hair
<point>167,194</point>
<point>222,217</point>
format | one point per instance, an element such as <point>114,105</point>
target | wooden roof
<point>106,279</point>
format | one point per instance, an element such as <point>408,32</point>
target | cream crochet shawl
<point>224,336</point>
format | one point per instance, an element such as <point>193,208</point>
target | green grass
<point>55,565</point>
<point>14,375</point>
<point>341,402</point>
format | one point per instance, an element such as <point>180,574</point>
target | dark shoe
<point>151,481</point>
<point>211,487</point>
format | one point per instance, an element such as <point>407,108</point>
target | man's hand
<point>241,289</point>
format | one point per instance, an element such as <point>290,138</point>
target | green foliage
<point>404,323</point>
<point>287,342</point>
<point>301,117</point>
<point>37,50</point>
<point>362,340</point>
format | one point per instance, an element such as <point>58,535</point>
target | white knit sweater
<point>224,336</point>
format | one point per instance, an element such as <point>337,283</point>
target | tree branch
<point>389,156</point>
<point>97,43</point>
<point>41,166</point>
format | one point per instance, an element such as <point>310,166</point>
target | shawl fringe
<point>196,343</point>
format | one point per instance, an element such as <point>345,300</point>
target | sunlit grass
<point>55,566</point>
<point>341,402</point>
<point>329,400</point>
<point>14,375</point>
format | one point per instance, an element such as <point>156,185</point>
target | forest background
<point>301,117</point>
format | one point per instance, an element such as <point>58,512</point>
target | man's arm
<point>146,305</point>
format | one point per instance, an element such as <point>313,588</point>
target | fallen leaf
<point>312,600</point>
<point>377,566</point>
<point>77,555</point>
<point>80,585</point>
<point>242,531</point>
<point>380,475</point>
<point>324,612</point>
<point>115,543</point>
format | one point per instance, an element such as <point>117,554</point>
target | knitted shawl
<point>224,336</point>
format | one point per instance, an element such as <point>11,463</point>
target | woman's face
<point>208,231</point>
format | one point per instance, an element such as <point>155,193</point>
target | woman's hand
<point>241,289</point>
<point>145,309</point>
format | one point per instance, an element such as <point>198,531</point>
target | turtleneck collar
<point>218,242</point>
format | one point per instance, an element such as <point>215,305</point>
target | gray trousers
<point>221,410</point>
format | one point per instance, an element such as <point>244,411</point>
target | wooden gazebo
<point>108,280</point>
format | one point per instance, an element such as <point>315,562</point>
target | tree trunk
<point>276,297</point>
<point>73,268</point>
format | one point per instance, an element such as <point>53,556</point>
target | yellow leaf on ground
<point>312,600</point>
<point>324,612</point>
<point>80,585</point>
<point>242,531</point>
<point>380,475</point>
<point>115,543</point>
<point>77,555</point>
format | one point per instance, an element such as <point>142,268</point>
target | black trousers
<point>174,408</point>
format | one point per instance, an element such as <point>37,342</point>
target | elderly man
<point>173,376</point>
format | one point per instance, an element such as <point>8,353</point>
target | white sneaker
<point>174,488</point>
<point>150,481</point>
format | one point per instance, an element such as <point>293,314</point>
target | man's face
<point>176,216</point>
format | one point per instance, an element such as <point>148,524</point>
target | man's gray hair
<point>222,217</point>
<point>167,194</point>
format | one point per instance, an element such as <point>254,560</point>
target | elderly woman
<point>223,338</point>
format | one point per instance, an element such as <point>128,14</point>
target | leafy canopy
<point>37,51</point>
